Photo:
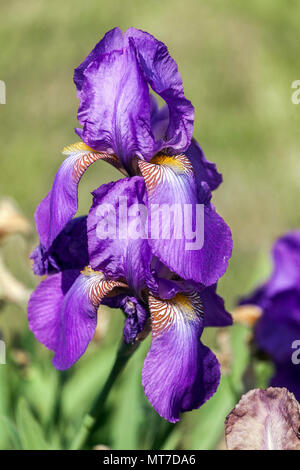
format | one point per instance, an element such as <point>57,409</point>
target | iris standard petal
<point>205,171</point>
<point>113,40</point>
<point>162,74</point>
<point>179,372</point>
<point>159,119</point>
<point>190,238</point>
<point>115,107</point>
<point>61,203</point>
<point>117,234</point>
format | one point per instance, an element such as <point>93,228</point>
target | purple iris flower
<point>278,328</point>
<point>153,279</point>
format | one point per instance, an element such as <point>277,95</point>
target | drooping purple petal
<point>264,420</point>
<point>193,240</point>
<point>179,372</point>
<point>117,236</point>
<point>61,203</point>
<point>204,170</point>
<point>62,312</point>
<point>45,305</point>
<point>162,74</point>
<point>78,317</point>
<point>215,313</point>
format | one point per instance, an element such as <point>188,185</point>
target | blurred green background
<point>238,61</point>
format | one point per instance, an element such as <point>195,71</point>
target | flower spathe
<point>148,278</point>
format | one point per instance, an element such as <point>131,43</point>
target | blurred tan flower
<point>11,290</point>
<point>247,314</point>
<point>20,357</point>
<point>102,323</point>
<point>224,353</point>
<point>11,219</point>
<point>11,222</point>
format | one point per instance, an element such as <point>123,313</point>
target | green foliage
<point>30,432</point>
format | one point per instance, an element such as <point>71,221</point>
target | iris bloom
<point>148,278</point>
<point>279,326</point>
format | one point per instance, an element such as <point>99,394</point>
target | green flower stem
<point>92,420</point>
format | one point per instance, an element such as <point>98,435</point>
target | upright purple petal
<point>113,244</point>
<point>161,72</point>
<point>113,40</point>
<point>179,373</point>
<point>115,107</point>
